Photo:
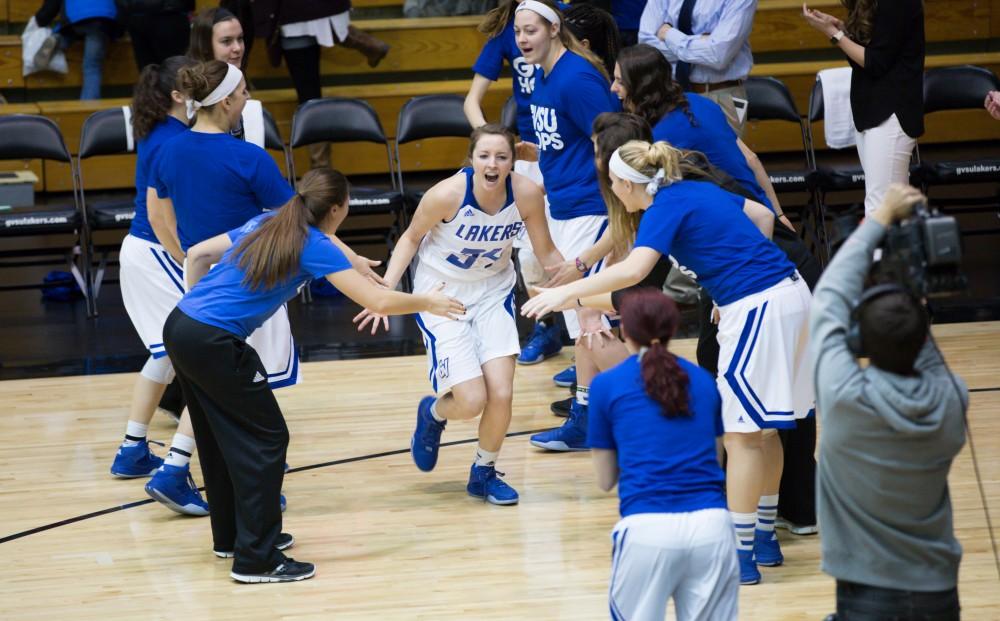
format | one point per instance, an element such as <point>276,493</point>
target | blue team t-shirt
<point>500,48</point>
<point>704,229</point>
<point>665,465</point>
<point>221,299</point>
<point>146,153</point>
<point>216,183</point>
<point>713,136</point>
<point>564,105</point>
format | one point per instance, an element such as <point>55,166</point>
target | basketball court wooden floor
<point>389,541</point>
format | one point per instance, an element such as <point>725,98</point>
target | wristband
<point>578,303</point>
<point>581,266</point>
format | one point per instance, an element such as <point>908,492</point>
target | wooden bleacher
<point>451,44</point>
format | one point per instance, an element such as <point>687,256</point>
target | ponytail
<point>646,158</point>
<point>151,100</point>
<point>650,319</point>
<point>270,254</point>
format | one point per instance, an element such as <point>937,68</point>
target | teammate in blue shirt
<point>241,434</point>
<point>151,280</point>
<point>655,423</point>
<point>722,241</point>
<point>570,92</point>
<point>463,232</point>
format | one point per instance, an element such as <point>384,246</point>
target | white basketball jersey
<point>473,244</point>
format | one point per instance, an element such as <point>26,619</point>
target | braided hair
<point>598,28</point>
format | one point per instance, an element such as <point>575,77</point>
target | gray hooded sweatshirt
<point>886,445</point>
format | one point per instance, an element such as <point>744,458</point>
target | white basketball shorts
<point>765,376</point>
<point>690,557</point>
<point>152,284</point>
<point>572,237</point>
<point>457,349</point>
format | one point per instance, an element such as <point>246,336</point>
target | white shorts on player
<point>689,557</point>
<point>765,377</point>
<point>457,349</point>
<point>572,237</point>
<point>152,283</point>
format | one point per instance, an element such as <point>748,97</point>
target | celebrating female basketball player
<point>463,232</point>
<point>241,434</point>
<point>722,240</point>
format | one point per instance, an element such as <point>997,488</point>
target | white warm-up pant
<point>885,157</point>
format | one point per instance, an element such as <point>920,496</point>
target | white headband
<point>541,9</point>
<point>229,83</point>
<point>623,171</point>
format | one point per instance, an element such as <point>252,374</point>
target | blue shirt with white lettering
<point>563,108</point>
<point>146,153</point>
<point>665,465</point>
<point>500,48</point>
<point>217,183</point>
<point>704,229</point>
<point>221,299</point>
<point>711,134</point>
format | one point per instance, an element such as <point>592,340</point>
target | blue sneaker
<point>426,437</point>
<point>544,343</point>
<point>572,436</point>
<point>748,568</point>
<point>174,486</point>
<point>132,462</point>
<point>566,377</point>
<point>485,483</point>
<point>284,505</point>
<point>766,550</point>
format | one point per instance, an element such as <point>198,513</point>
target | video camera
<point>923,253</point>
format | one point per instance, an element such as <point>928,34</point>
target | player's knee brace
<point>158,370</point>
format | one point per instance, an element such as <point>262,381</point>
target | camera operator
<point>889,434</point>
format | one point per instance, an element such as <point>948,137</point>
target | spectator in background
<point>884,44</point>
<point>216,34</point>
<point>159,29</point>
<point>627,15</point>
<point>90,20</point>
<point>708,45</point>
<point>296,30</point>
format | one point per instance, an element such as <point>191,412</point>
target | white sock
<point>434,412</point>
<point>181,449</point>
<point>486,458</point>
<point>744,524</point>
<point>134,433</point>
<point>583,394</point>
<point>767,510</point>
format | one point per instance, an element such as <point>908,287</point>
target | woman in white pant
<point>655,425</point>
<point>884,44</point>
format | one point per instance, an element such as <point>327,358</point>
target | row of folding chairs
<point>946,88</point>
<point>338,120</point>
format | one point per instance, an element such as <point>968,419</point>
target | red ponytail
<point>650,319</point>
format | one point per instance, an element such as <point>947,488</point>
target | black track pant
<point>241,437</point>
<point>156,38</point>
<point>797,500</point>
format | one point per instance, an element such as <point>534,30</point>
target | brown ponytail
<point>650,319</point>
<point>269,255</point>
<point>151,100</point>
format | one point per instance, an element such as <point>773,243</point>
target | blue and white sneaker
<point>566,377</point>
<point>174,487</point>
<point>485,483</point>
<point>132,462</point>
<point>572,436</point>
<point>284,503</point>
<point>426,438</point>
<point>748,568</point>
<point>545,342</point>
<point>766,549</point>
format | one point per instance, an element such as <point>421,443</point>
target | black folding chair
<point>960,88</point>
<point>340,120</point>
<point>770,100</point>
<point>429,116</point>
<point>27,137</point>
<point>508,115</point>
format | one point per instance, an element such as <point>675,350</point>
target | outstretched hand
<point>444,305</point>
<point>561,274</point>
<point>547,301</point>
<point>526,151</point>
<point>366,317</point>
<point>364,265</point>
